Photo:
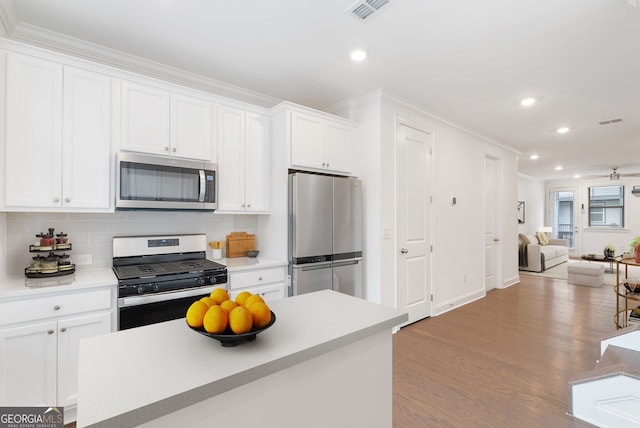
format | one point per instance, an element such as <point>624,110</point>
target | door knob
<point>404,250</point>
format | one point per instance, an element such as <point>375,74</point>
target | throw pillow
<point>542,237</point>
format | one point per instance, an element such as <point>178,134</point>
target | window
<point>606,206</point>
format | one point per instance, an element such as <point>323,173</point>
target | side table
<point>625,300</point>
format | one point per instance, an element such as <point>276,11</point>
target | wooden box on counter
<point>238,243</point>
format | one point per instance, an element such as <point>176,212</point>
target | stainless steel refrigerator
<point>325,234</point>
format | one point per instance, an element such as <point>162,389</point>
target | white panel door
<point>33,132</point>
<point>307,141</point>
<point>231,159</point>
<point>191,127</point>
<point>86,153</point>
<point>145,115</point>
<point>338,148</point>
<point>257,162</point>
<point>413,292</point>
<point>28,364</point>
<point>491,239</point>
<point>70,332</point>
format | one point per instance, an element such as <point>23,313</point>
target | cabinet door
<point>33,144</point>
<point>70,332</point>
<point>231,159</point>
<point>307,141</point>
<point>145,115</point>
<point>86,154</point>
<point>191,127</point>
<point>257,163</point>
<point>338,148</point>
<point>269,292</point>
<point>28,365</point>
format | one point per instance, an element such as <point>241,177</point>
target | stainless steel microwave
<point>158,182</point>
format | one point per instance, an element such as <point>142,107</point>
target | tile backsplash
<point>91,234</point>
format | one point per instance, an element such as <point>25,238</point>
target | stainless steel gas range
<point>160,276</point>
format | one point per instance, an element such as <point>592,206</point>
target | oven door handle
<point>124,302</point>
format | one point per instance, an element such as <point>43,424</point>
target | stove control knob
<point>140,289</point>
<point>201,281</point>
<point>156,287</point>
<point>212,280</point>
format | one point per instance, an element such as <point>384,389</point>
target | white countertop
<point>154,370</point>
<point>23,287</point>
<point>243,263</point>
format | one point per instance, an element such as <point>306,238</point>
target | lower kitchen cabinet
<point>266,282</point>
<point>39,357</point>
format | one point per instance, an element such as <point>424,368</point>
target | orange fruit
<point>215,320</point>
<point>240,320</point>
<point>219,295</point>
<point>240,298</point>
<point>195,313</point>
<point>253,299</point>
<point>208,300</point>
<point>260,313</point>
<point>228,305</point>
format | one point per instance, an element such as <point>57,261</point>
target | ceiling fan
<point>613,175</point>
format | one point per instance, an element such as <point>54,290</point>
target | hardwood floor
<point>502,361</point>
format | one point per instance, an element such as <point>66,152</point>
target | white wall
<point>458,231</point>
<point>593,240</point>
<point>532,192</point>
<point>93,233</point>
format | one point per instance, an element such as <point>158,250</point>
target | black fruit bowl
<point>229,338</point>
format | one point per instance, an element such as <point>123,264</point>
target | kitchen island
<point>327,361</point>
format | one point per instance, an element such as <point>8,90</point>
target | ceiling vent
<point>364,9</point>
<point>610,121</point>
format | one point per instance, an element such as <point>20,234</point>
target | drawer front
<point>54,306</point>
<point>268,292</point>
<point>252,278</point>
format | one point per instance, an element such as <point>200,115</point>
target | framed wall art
<point>520,212</point>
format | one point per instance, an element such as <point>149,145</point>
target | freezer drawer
<point>311,277</point>
<point>347,277</point>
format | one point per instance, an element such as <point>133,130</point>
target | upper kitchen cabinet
<point>58,137</point>
<point>159,121</point>
<point>243,161</point>
<point>317,141</point>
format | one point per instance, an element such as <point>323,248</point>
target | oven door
<point>136,311</point>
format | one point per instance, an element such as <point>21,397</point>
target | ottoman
<point>587,274</point>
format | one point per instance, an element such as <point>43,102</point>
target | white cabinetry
<point>243,161</point>
<point>158,121</point>
<point>39,343</point>
<point>320,142</point>
<point>266,282</point>
<point>58,137</point>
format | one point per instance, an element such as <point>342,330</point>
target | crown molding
<point>39,37</point>
<point>8,17</point>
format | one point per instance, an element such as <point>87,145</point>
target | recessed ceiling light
<point>526,102</point>
<point>576,176</point>
<point>358,55</point>
<point>563,130</point>
<point>559,167</point>
<point>534,157</point>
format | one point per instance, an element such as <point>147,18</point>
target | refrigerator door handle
<point>347,263</point>
<point>313,266</point>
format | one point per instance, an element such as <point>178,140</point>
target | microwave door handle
<point>203,185</point>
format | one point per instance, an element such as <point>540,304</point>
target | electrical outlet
<point>82,259</point>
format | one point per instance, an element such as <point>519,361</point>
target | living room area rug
<point>560,272</point>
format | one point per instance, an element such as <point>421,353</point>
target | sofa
<point>537,253</point>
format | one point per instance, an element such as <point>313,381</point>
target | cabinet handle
<point>249,206</point>
<point>67,200</point>
<point>323,164</point>
<point>49,331</point>
<point>173,150</point>
<point>243,205</point>
<point>56,308</point>
<point>404,250</point>
<point>259,278</point>
<point>327,165</point>
<point>166,149</point>
<point>56,200</point>
<point>63,329</point>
